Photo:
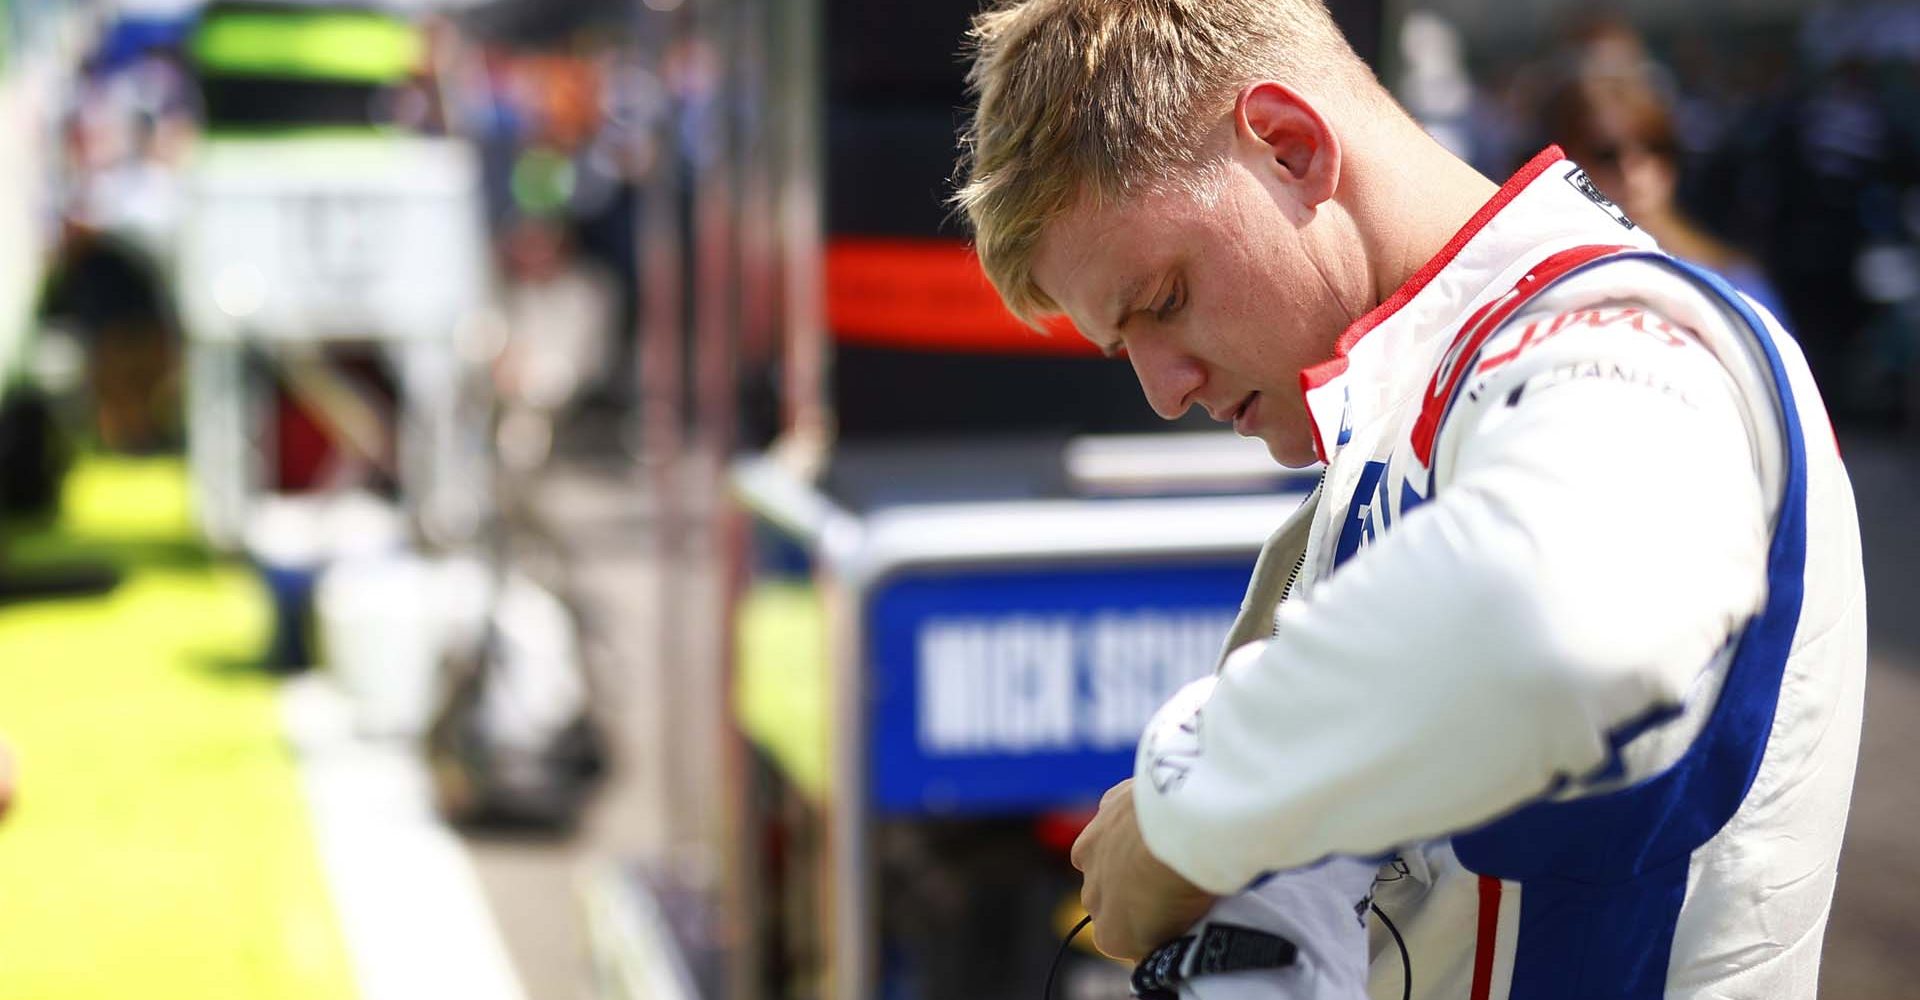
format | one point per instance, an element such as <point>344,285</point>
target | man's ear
<point>1277,125</point>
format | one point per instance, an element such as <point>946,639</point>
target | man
<point>1571,638</point>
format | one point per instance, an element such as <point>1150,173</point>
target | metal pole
<point>802,225</point>
<point>660,377</point>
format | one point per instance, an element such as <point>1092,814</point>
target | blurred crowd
<point>1785,155</point>
<point>570,128</point>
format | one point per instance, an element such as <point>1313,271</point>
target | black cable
<point>1406,960</point>
<point>1054,969</point>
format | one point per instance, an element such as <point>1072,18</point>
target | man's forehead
<point>1085,263</point>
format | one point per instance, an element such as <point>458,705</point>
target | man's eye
<point>1168,306</point>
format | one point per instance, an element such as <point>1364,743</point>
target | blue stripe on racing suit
<point>1603,877</point>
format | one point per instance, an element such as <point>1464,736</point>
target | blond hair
<point>1100,97</point>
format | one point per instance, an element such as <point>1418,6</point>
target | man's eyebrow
<point>1129,294</point>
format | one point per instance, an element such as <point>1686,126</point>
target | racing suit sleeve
<point>1598,536</point>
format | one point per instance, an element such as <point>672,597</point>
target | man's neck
<point>1411,196</point>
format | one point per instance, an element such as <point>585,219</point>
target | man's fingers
<point>1114,945</point>
<point>1084,845</point>
<point>1100,941</point>
<point>1108,854</point>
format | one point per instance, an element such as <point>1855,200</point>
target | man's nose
<point>1169,380</point>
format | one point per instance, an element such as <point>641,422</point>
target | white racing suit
<point>1570,643</point>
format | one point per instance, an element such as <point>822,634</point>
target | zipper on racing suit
<point>1299,564</point>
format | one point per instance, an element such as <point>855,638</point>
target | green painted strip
<point>330,45</point>
<point>160,846</point>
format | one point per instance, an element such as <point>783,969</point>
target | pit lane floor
<point>160,846</point>
<point>187,825</point>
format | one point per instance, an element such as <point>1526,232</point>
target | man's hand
<point>1136,902</point>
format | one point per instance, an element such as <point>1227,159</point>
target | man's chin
<point>1292,454</point>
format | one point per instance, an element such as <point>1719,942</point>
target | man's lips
<point>1240,413</point>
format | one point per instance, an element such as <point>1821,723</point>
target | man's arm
<point>1599,534</point>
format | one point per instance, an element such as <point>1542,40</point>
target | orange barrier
<point>929,295</point>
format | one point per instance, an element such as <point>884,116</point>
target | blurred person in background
<point>109,297</point>
<point>1607,46</point>
<point>1815,166</point>
<point>1622,131</point>
<point>564,155</point>
<point>560,308</point>
<point>130,131</point>
<point>1437,89</point>
<point>1573,630</point>
<point>125,137</point>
